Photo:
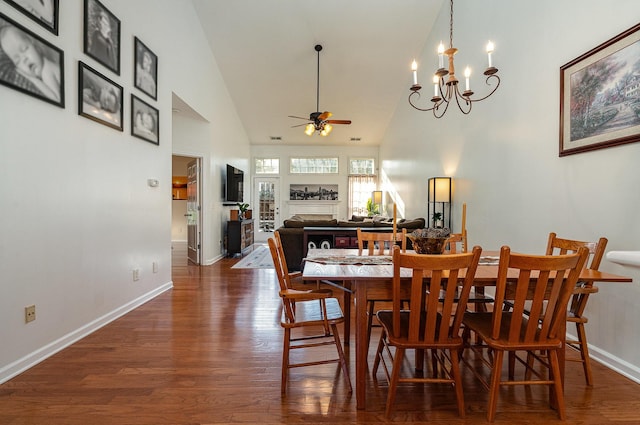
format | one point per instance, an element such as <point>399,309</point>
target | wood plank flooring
<point>209,352</point>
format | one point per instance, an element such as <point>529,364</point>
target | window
<point>362,166</point>
<point>360,188</point>
<point>267,166</point>
<point>313,166</point>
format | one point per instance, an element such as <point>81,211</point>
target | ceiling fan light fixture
<point>326,129</point>
<point>309,129</point>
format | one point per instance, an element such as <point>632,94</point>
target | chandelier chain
<point>451,25</point>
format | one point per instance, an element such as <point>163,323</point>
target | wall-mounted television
<point>234,184</point>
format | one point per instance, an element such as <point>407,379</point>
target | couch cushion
<point>355,224</point>
<point>417,223</point>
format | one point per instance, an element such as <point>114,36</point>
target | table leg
<point>347,311</point>
<point>361,343</point>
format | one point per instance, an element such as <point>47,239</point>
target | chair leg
<point>557,382</point>
<point>457,377</point>
<point>376,362</point>
<point>584,353</point>
<point>395,376</point>
<point>343,361</point>
<point>370,305</point>
<point>285,360</point>
<point>496,372</point>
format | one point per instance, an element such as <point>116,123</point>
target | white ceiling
<point>265,52</point>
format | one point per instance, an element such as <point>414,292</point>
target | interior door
<point>193,211</point>
<point>267,204</point>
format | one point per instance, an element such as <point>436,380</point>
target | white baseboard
<point>612,362</point>
<point>30,360</point>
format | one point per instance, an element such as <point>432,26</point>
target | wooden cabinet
<point>239,236</point>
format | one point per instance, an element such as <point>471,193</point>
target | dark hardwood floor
<point>209,352</point>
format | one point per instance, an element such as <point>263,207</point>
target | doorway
<point>267,201</point>
<point>186,217</point>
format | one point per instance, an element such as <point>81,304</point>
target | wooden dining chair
<point>314,309</point>
<point>544,284</point>
<point>378,243</point>
<point>429,323</point>
<point>458,241</point>
<point>581,292</point>
<point>579,298</point>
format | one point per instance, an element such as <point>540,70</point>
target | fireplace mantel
<point>313,207</point>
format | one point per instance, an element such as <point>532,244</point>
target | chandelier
<point>446,91</point>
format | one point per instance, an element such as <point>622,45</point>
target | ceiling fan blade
<point>323,116</point>
<point>339,121</point>
<point>293,116</point>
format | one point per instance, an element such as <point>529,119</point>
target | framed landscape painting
<point>30,64</point>
<point>600,96</point>
<point>44,12</point>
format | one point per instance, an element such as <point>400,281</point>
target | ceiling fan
<point>319,121</point>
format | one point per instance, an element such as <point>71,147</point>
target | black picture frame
<point>46,81</point>
<point>145,69</point>
<point>102,35</point>
<point>145,121</point>
<point>44,12</point>
<point>99,98</point>
<point>599,96</point>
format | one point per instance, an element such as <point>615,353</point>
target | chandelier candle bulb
<point>435,85</point>
<point>467,74</point>
<point>490,48</point>
<point>414,68</point>
<point>441,55</point>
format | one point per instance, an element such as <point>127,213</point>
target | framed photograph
<point>30,64</point>
<point>99,98</point>
<point>146,69</point>
<point>313,192</point>
<point>44,12</point>
<point>145,121</point>
<point>102,35</point>
<point>600,96</point>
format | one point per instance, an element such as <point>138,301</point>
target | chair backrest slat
<point>380,243</point>
<point>432,319</point>
<point>544,285</point>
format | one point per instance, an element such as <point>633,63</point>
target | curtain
<point>360,188</point>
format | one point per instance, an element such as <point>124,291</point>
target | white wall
<point>77,213</point>
<point>504,154</point>
<point>284,153</point>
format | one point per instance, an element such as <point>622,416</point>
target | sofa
<point>292,232</point>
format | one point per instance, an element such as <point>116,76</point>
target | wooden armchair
<point>430,323</point>
<point>544,285</point>
<point>306,309</point>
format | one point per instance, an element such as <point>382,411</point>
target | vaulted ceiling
<point>265,52</point>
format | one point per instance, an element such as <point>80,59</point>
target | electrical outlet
<point>136,274</point>
<point>30,313</point>
<point>155,267</point>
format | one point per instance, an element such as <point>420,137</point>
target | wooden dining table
<point>366,278</point>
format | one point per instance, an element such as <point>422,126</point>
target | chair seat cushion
<point>385,317</point>
<point>482,324</point>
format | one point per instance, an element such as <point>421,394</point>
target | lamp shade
<point>440,189</point>
<point>376,197</point>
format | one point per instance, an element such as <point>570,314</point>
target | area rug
<point>259,258</point>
